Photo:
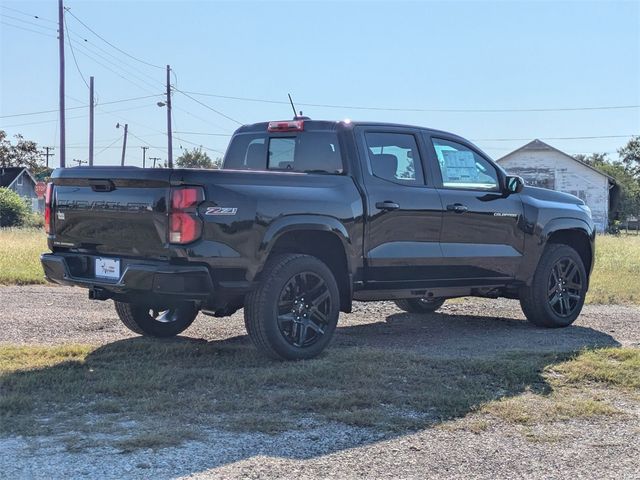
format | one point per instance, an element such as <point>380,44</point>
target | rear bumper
<point>148,278</point>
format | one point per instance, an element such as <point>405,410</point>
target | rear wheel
<point>293,312</point>
<point>557,292</point>
<point>420,305</point>
<point>153,322</point>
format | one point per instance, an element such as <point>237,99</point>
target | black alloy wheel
<point>304,307</point>
<point>565,287</point>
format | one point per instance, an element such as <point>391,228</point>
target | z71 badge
<point>221,211</point>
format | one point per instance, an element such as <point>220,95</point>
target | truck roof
<point>311,125</point>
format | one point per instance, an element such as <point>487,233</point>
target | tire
<point>420,305</point>
<point>148,321</point>
<point>280,321</point>
<point>557,292</point>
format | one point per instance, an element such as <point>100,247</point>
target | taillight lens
<point>185,225</point>
<point>47,207</point>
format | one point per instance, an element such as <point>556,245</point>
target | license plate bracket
<point>108,268</point>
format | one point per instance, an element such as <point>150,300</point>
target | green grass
<point>183,386</point>
<point>614,280</point>
<point>20,251</point>
<point>616,272</point>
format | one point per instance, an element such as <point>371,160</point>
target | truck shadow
<point>377,381</point>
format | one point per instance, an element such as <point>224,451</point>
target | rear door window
<point>394,157</point>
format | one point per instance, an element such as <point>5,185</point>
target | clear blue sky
<point>425,55</point>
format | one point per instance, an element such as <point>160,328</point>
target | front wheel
<point>294,310</point>
<point>153,322</point>
<point>557,292</point>
<point>420,305</point>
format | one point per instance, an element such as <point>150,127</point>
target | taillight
<point>47,207</point>
<point>286,126</point>
<point>185,225</point>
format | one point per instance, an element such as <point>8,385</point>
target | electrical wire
<point>28,14</point>
<point>203,133</point>
<point>109,43</point>
<point>27,29</point>
<point>435,110</point>
<point>73,54</point>
<point>128,76</point>
<point>82,106</point>
<point>209,107</point>
<point>108,146</point>
<point>35,24</point>
<point>551,138</point>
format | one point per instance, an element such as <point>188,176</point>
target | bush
<point>13,209</point>
<point>34,220</point>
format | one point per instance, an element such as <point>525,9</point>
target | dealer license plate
<point>108,268</point>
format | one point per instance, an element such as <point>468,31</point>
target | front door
<point>482,238</point>
<point>404,212</point>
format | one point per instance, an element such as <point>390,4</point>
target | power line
<point>108,146</point>
<point>209,134</point>
<point>75,108</point>
<point>28,22</point>
<point>27,29</point>
<point>434,110</point>
<point>111,44</point>
<point>550,138</point>
<point>128,74</point>
<point>209,107</point>
<point>101,112</point>
<point>28,14</point>
<point>73,54</point>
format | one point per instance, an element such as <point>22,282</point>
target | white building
<point>542,165</point>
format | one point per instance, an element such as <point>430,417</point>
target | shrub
<point>13,209</point>
<point>34,220</point>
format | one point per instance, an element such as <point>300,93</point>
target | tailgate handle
<point>102,185</point>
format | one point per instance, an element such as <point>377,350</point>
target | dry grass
<point>614,280</point>
<point>20,251</point>
<point>180,385</point>
<point>576,388</point>
<point>616,271</point>
<point>222,384</point>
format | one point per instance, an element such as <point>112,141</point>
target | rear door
<point>482,235</point>
<point>404,212</point>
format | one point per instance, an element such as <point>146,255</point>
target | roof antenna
<point>292,105</point>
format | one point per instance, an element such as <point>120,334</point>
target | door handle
<point>457,207</point>
<point>387,205</point>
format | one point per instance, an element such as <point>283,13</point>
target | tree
<point>627,201</point>
<point>630,156</point>
<point>24,153</point>
<point>195,158</point>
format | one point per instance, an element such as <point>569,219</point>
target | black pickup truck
<point>307,216</point>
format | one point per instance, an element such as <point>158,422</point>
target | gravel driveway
<point>602,448</point>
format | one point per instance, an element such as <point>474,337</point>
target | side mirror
<point>515,184</point>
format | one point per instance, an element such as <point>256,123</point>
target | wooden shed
<point>542,165</point>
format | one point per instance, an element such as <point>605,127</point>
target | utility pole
<point>124,143</point>
<point>79,162</point>
<point>47,154</point>
<point>144,155</point>
<point>91,121</point>
<point>61,93</point>
<point>169,133</point>
<point>154,160</point>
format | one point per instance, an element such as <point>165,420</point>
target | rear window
<point>305,152</point>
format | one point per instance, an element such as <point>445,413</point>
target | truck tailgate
<point>113,211</point>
